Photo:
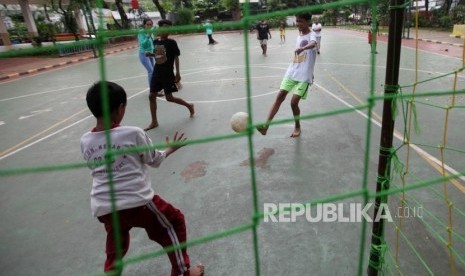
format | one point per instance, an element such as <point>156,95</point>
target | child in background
<point>166,55</point>
<point>282,32</point>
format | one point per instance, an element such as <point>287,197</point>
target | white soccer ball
<point>239,121</point>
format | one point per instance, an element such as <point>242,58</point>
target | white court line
<point>416,148</point>
<point>58,131</point>
<point>65,88</point>
<point>216,68</point>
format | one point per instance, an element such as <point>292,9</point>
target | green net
<point>402,186</point>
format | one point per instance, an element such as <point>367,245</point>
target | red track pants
<point>163,223</point>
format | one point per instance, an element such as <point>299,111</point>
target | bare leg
<point>171,98</point>
<point>264,49</point>
<point>296,111</point>
<point>274,109</point>
<point>153,111</point>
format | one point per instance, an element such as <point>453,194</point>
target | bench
<point>64,37</point>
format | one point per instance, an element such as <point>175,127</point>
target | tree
<point>160,8</point>
<point>234,7</point>
<point>68,16</point>
<point>122,14</point>
<point>207,9</point>
<point>185,16</point>
<point>447,5</point>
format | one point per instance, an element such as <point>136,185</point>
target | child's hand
<point>298,51</point>
<point>177,78</point>
<point>176,139</point>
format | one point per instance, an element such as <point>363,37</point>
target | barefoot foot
<point>262,129</point>
<point>151,126</point>
<point>296,133</point>
<point>198,270</point>
<point>191,110</point>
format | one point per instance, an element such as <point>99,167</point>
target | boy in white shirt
<point>299,75</point>
<point>136,203</point>
<point>316,28</point>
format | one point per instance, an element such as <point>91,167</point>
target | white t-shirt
<point>316,27</point>
<point>130,172</point>
<point>301,69</point>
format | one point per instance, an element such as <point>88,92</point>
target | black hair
<point>165,22</point>
<point>146,19</point>
<point>305,16</point>
<point>116,97</point>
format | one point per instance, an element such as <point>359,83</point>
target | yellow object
<point>458,31</point>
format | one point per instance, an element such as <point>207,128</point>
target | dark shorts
<point>168,86</point>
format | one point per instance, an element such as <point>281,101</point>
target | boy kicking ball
<point>299,75</point>
<point>136,202</point>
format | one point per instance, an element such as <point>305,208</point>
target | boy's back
<point>136,203</point>
<point>130,177</point>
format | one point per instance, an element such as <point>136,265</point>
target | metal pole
<point>384,164</point>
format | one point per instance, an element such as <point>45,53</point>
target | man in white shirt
<point>316,28</point>
<point>299,75</point>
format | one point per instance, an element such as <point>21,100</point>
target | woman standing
<point>145,39</point>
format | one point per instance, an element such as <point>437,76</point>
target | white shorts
<point>263,41</point>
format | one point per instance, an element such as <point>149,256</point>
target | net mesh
<point>409,101</point>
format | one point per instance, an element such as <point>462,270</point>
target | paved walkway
<point>11,68</point>
<point>439,37</point>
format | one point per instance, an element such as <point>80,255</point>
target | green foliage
<point>424,20</point>
<point>276,21</point>
<point>445,22</point>
<point>383,12</point>
<point>329,17</point>
<point>19,33</point>
<point>231,4</point>
<point>147,5</point>
<point>207,9</point>
<point>168,5</point>
<point>46,30</point>
<point>70,23</point>
<point>458,15</point>
<point>37,41</point>
<point>185,16</point>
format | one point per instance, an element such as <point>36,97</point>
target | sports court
<point>47,227</point>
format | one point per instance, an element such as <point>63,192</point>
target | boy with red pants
<point>136,202</point>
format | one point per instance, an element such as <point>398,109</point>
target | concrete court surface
<point>47,228</point>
